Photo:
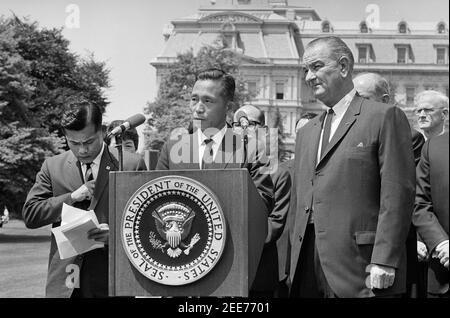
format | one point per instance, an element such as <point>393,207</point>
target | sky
<point>127,35</point>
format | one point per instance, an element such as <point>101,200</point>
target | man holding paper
<point>78,177</point>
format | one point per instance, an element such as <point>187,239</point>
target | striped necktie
<point>208,153</point>
<point>88,176</point>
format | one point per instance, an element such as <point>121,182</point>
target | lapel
<point>347,121</point>
<point>107,163</point>
<point>315,138</point>
<point>73,173</point>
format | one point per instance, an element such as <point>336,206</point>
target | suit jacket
<point>182,154</point>
<point>431,207</point>
<point>417,140</point>
<point>58,178</point>
<point>272,265</point>
<point>362,193</point>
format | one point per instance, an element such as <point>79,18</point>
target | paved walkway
<point>23,260</point>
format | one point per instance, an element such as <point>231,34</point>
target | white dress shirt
<point>339,110</point>
<point>95,165</point>
<point>217,140</point>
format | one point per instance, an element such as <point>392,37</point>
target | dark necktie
<point>326,131</point>
<point>208,153</point>
<point>88,176</point>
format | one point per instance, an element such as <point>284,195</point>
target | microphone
<point>131,122</point>
<point>242,119</point>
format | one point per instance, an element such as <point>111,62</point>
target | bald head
<point>253,114</point>
<point>372,86</point>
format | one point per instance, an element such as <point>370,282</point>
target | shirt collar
<point>217,138</point>
<point>341,106</point>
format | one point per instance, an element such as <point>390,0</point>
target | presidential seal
<point>173,230</point>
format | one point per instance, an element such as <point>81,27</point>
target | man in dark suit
<point>78,177</point>
<point>431,211</point>
<point>267,275</point>
<point>213,145</point>
<point>374,87</point>
<point>353,187</point>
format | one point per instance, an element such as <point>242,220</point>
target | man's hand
<point>422,252</point>
<point>441,252</point>
<point>101,234</point>
<point>381,276</point>
<point>85,192</point>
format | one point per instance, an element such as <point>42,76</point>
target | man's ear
<point>445,113</point>
<point>344,65</point>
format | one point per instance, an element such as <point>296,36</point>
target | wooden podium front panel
<point>230,275</point>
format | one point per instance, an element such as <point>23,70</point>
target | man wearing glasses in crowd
<point>271,269</point>
<point>431,111</point>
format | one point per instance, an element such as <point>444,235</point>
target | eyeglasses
<point>425,110</point>
<point>252,125</point>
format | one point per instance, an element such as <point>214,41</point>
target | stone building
<point>270,35</point>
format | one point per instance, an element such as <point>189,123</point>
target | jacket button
<point>306,209</point>
<point>300,238</point>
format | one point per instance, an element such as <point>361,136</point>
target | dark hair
<point>227,81</point>
<point>130,134</point>
<point>337,46</point>
<point>78,115</point>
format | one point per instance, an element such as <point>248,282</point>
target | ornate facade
<point>271,35</point>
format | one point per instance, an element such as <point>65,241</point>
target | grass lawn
<point>23,260</point>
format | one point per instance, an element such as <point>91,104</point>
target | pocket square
<point>360,145</point>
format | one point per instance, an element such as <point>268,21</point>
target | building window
<point>363,27</point>
<point>401,55</point>
<point>362,53</point>
<point>410,93</point>
<point>365,53</point>
<point>404,54</point>
<point>441,55</point>
<point>251,88</point>
<point>326,27</point>
<point>279,90</point>
<point>442,28</point>
<point>402,27</point>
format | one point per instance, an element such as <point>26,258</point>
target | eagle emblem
<point>173,223</point>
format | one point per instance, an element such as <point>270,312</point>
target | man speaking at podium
<point>212,139</point>
<point>78,177</point>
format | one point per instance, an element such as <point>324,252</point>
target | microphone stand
<point>244,139</point>
<point>118,145</point>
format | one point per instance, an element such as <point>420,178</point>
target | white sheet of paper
<point>71,236</point>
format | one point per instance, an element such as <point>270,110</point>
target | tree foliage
<point>171,108</point>
<point>38,77</point>
<point>283,153</point>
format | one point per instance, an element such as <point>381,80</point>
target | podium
<point>246,229</point>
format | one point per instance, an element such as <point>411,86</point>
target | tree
<point>39,76</point>
<point>171,108</point>
<point>283,154</point>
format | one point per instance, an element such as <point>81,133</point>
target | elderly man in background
<point>270,278</point>
<point>432,112</point>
